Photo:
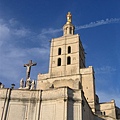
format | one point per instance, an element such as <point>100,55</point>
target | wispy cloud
<point>99,23</point>
<point>8,30</point>
<point>105,69</point>
<point>50,31</point>
<point>90,25</point>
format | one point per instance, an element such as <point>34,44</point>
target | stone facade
<point>53,104</point>
<point>66,92</point>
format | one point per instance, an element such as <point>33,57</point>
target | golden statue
<point>69,17</point>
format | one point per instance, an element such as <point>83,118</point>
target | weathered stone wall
<point>107,110</point>
<point>53,104</point>
<point>19,104</point>
<point>88,84</point>
<point>72,81</point>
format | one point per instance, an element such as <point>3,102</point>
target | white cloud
<point>99,23</point>
<point>11,33</point>
<point>50,31</point>
<point>22,32</point>
<point>13,22</point>
<point>105,69</point>
<point>40,51</point>
<point>4,33</point>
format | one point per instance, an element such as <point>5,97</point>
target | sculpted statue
<point>33,85</point>
<point>22,83</point>
<point>69,17</point>
<point>28,83</point>
<point>1,85</point>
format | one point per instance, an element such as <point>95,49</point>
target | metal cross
<point>28,66</point>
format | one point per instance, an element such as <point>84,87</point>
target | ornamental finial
<point>69,18</point>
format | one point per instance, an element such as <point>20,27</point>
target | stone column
<point>6,104</point>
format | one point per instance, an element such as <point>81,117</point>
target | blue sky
<point>27,26</point>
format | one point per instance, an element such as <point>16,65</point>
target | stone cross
<point>28,66</point>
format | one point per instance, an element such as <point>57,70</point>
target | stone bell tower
<point>67,65</point>
<point>67,53</point>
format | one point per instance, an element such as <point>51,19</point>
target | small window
<point>68,60</point>
<point>103,113</point>
<point>69,49</point>
<point>59,51</point>
<point>59,62</point>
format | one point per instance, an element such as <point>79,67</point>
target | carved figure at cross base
<point>28,83</point>
<point>21,83</point>
<point>1,85</point>
<point>33,85</point>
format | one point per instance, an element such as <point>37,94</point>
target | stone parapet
<point>43,76</point>
<point>88,70</point>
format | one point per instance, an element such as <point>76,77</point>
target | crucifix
<point>28,66</point>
